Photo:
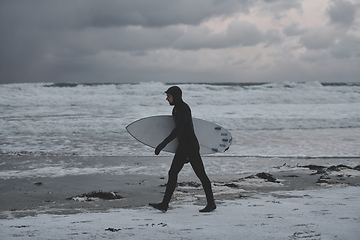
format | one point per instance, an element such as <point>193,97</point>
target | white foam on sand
<point>157,166</point>
<point>313,214</point>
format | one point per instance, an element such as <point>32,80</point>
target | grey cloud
<point>342,12</point>
<point>196,38</point>
<point>348,47</point>
<point>272,36</point>
<point>133,39</point>
<point>32,32</point>
<point>319,37</point>
<point>78,14</point>
<point>159,13</point>
<point>282,5</point>
<point>293,30</point>
<point>239,33</point>
<point>92,40</point>
<point>123,39</point>
<point>278,7</point>
<point>243,33</point>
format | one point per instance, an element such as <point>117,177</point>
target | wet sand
<point>72,194</point>
<point>22,197</point>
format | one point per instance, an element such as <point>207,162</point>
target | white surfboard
<point>151,131</point>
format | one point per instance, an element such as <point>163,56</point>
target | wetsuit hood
<point>176,93</point>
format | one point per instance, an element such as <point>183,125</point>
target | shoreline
<point>68,194</point>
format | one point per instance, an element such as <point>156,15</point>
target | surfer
<point>187,151</point>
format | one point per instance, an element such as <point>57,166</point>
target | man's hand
<point>160,147</point>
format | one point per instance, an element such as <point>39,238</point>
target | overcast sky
<point>92,41</point>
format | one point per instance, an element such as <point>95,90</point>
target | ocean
<point>266,120</point>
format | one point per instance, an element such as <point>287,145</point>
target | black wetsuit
<point>187,151</point>
<point>184,129</point>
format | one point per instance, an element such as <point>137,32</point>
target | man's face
<point>169,98</point>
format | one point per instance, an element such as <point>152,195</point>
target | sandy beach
<point>312,199</point>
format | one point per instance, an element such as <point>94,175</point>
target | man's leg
<point>199,169</point>
<point>176,166</point>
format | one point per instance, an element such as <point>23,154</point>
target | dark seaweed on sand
<point>98,194</point>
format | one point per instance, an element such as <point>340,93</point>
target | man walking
<point>187,151</point>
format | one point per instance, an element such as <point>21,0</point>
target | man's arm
<point>180,123</point>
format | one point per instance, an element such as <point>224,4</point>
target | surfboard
<point>151,131</point>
